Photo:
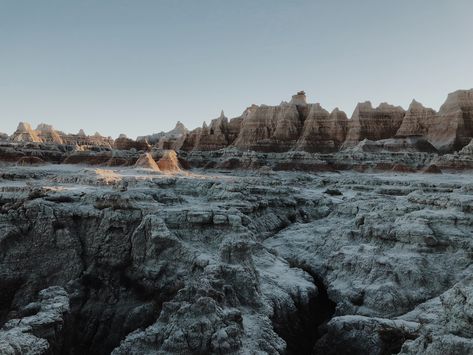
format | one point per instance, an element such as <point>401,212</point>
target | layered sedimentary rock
<point>417,121</point>
<point>24,133</point>
<point>322,132</point>
<point>167,140</point>
<point>169,162</point>
<point>48,134</point>
<point>146,161</point>
<point>373,123</point>
<point>125,143</point>
<point>270,128</point>
<point>453,128</point>
<point>215,135</point>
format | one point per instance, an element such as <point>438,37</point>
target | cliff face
<point>373,124</point>
<point>417,121</point>
<point>293,126</point>
<point>453,128</point>
<point>322,132</point>
<point>270,128</point>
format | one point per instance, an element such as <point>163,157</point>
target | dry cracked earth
<point>125,261</point>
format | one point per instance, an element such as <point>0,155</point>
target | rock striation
<point>322,131</point>
<point>373,123</point>
<point>453,128</point>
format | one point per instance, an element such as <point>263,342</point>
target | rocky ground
<point>135,261</point>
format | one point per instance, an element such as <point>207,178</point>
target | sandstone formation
<point>373,123</point>
<point>322,132</point>
<point>24,133</point>
<point>169,162</point>
<point>418,121</point>
<point>125,143</point>
<point>270,128</point>
<point>48,134</point>
<point>453,128</point>
<point>146,161</point>
<point>167,140</point>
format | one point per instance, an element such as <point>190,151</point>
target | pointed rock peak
<point>97,134</point>
<point>24,127</point>
<point>179,125</point>
<point>122,136</point>
<point>222,114</point>
<point>299,98</point>
<point>81,133</point>
<point>204,125</point>
<point>416,105</point>
<point>43,127</point>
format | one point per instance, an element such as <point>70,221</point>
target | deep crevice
<point>301,329</point>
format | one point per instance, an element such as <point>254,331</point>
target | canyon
<point>286,230</point>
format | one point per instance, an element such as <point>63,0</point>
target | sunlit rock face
<point>24,133</point>
<point>454,125</point>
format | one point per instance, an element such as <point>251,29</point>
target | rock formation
<point>322,132</point>
<point>453,128</point>
<point>24,133</point>
<point>270,128</point>
<point>169,162</point>
<point>127,262</point>
<point>146,161</point>
<point>167,140</point>
<point>374,124</point>
<point>417,121</point>
<point>125,143</point>
<point>48,134</point>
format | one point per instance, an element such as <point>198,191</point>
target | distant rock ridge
<point>293,126</point>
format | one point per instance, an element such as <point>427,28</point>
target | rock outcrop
<point>453,128</point>
<point>322,132</point>
<point>373,123</point>
<point>418,121</point>
<point>146,161</point>
<point>169,162</point>
<point>24,133</point>
<point>48,134</point>
<point>270,128</point>
<point>127,262</point>
<point>125,143</point>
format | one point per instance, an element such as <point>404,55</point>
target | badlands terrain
<point>286,230</point>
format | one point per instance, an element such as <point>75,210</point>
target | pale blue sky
<point>138,66</point>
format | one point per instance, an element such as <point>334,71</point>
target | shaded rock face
<point>125,143</point>
<point>418,121</point>
<point>374,124</point>
<point>270,128</point>
<point>213,136</point>
<point>218,135</point>
<point>453,128</point>
<point>322,132</point>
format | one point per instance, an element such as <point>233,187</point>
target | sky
<point>139,66</point>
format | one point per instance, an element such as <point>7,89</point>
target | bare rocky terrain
<point>286,230</point>
<point>135,261</point>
